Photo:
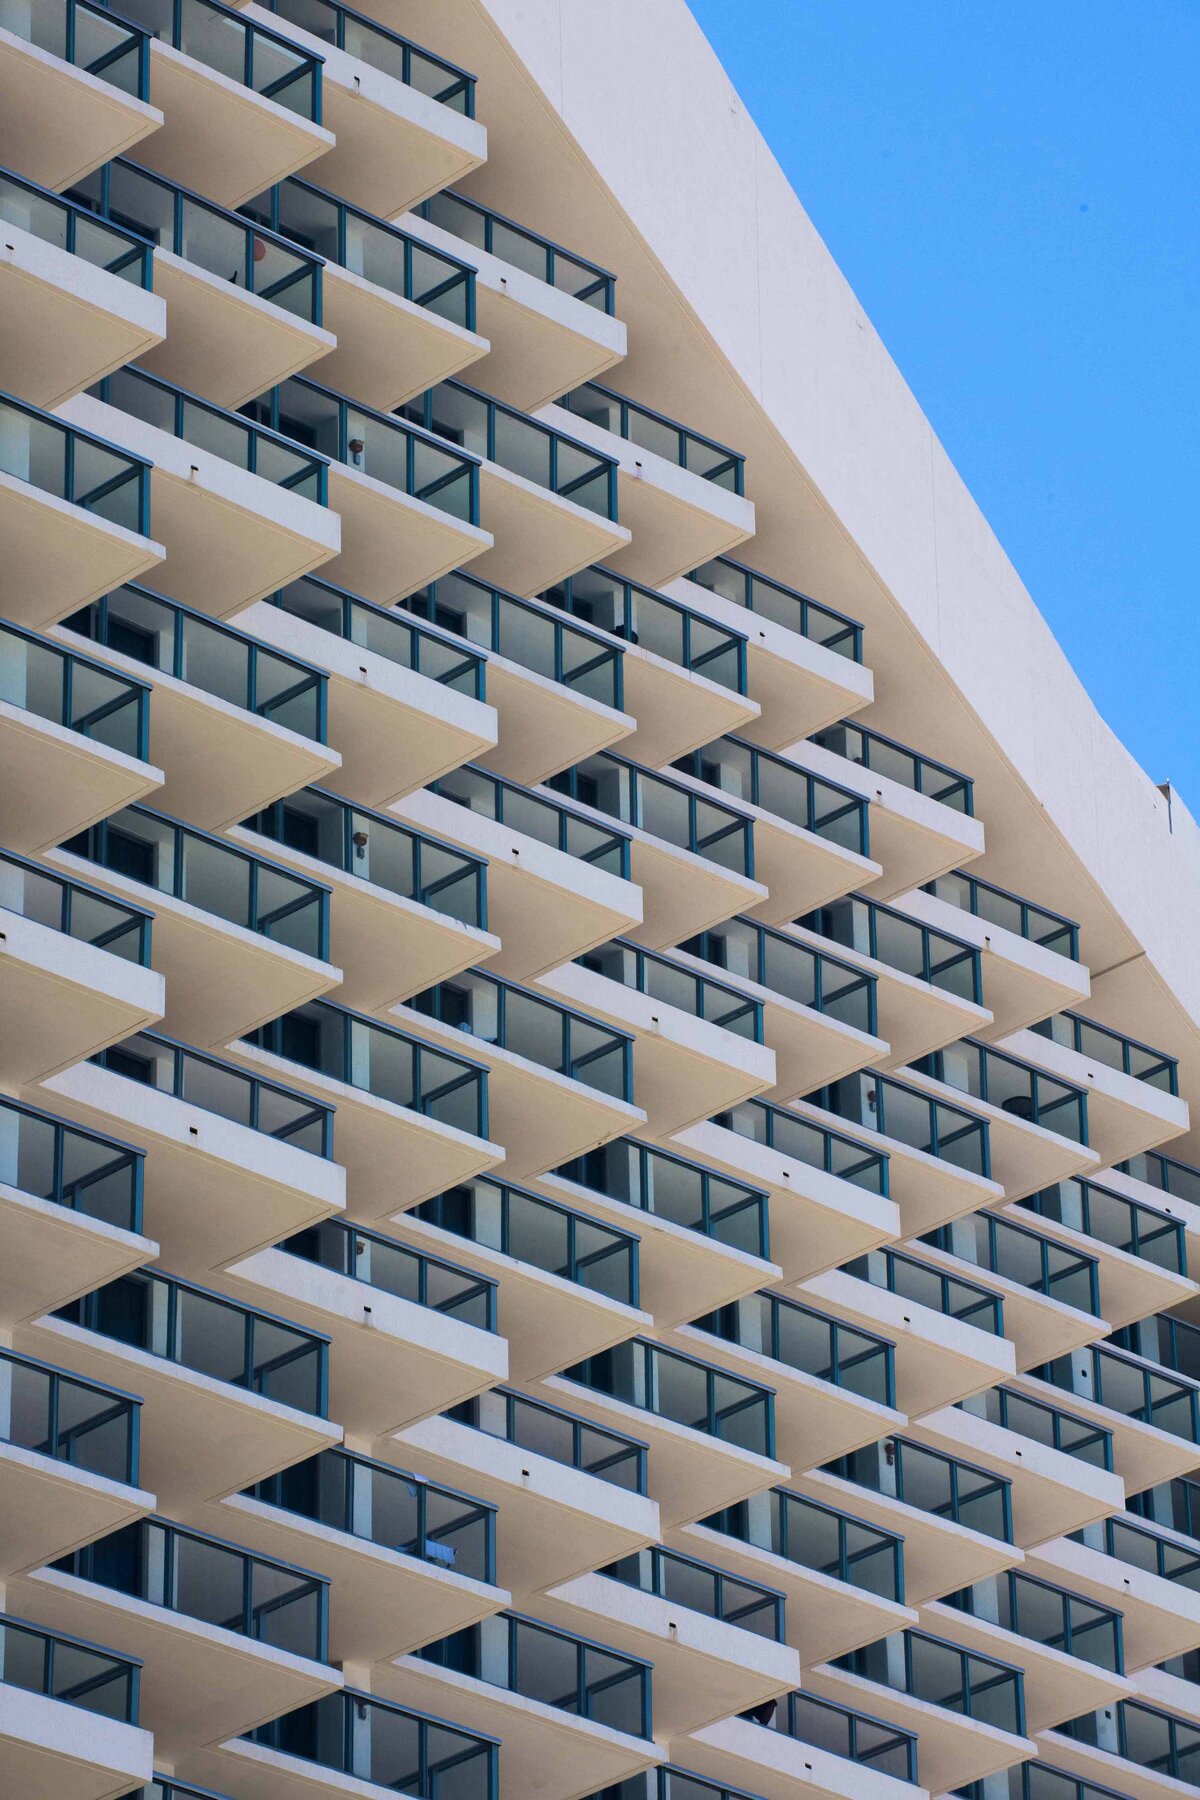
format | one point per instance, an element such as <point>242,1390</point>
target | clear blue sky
<point>1012,187</point>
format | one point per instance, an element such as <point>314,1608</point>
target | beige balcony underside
<point>58,556</point>
<point>392,544</point>
<point>57,122</point>
<point>64,1000</point>
<point>779,1767</point>
<point>55,782</point>
<point>545,726</point>
<point>540,537</point>
<point>388,348</point>
<point>52,1750</point>
<point>50,1507</point>
<point>51,1254</point>
<point>675,710</point>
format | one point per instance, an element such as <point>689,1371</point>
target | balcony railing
<point>940,1673</point>
<point>658,433</point>
<point>89,1174</point>
<point>389,1507</point>
<point>801,1338</point>
<point>206,235</point>
<point>200,1330</point>
<point>226,434</point>
<point>785,1131</point>
<point>1043,1423</point>
<point>68,1669</point>
<point>1164,1339</point>
<point>525,633</point>
<point>855,1736</point>
<point>558,1435</point>
<point>663,808</point>
<point>1014,1086</point>
<point>1145,1549</point>
<point>380,253</point>
<point>379,1262</point>
<point>381,1061</point>
<point>902,943</point>
<point>84,1423</point>
<point>655,1181</point>
<point>211,874</point>
<point>539,1232</point>
<point>782,605</point>
<point>73,691</point>
<point>790,969</point>
<point>784,790</point>
<point>118,249</point>
<point>927,1285</point>
<point>1127,1385</point>
<point>891,1107</point>
<point>384,632</point>
<point>541,1031</point>
<point>1143,1735</point>
<point>818,1537</point>
<point>74,908</point>
<point>1047,1614</point>
<point>379,850</point>
<point>536,816</point>
<point>684,1390</point>
<point>513,441</point>
<point>90,37</point>
<point>1009,911</point>
<point>583,1678</point>
<point>247,53</point>
<point>385,50</point>
<point>355,1734</point>
<point>944,1486</point>
<point>1035,1262</point>
<point>485,229</point>
<point>377,444</point>
<point>653,623</point>
<point>1180,1180</point>
<point>1112,1048</point>
<point>1112,1219</point>
<point>1035,1781</point>
<point>703,1589</point>
<point>205,1578</point>
<point>674,984</point>
<point>884,756</point>
<point>72,465</point>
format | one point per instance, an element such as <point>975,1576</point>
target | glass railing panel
<point>68,1669</point>
<point>585,1679</point>
<point>1015,1087</point>
<point>89,1174</point>
<point>853,1735</point>
<point>118,249</point>
<point>1032,1261</point>
<point>664,808</point>
<point>70,690</point>
<point>818,1537</point>
<point>553,1036</point>
<point>244,52</point>
<point>1112,1219</point>
<point>930,1286</point>
<point>536,816</point>
<point>902,943</point>
<point>385,50</point>
<point>59,1415</point>
<point>812,1342</point>
<point>1178,1179</point>
<point>539,1232</point>
<point>385,633</point>
<point>783,789</point>
<point>538,256</point>
<point>90,37</point>
<point>944,1486</point>
<point>884,756</point>
<point>387,1746</point>
<point>654,623</point>
<point>780,1129</point>
<point>1009,911</point>
<point>1158,1555</point>
<point>656,432</point>
<point>559,1436</point>
<point>1044,1424</point>
<point>670,1187</point>
<point>684,1390</point>
<point>1128,1385</point>
<point>783,605</point>
<point>1154,1740</point>
<point>74,908</point>
<point>793,970</point>
<point>1046,1614</point>
<point>1172,1342</point>
<point>379,1262</point>
<point>897,1111</point>
<point>930,1669</point>
<point>662,978</point>
<point>37,448</point>
<point>701,1588</point>
<point>1112,1048</point>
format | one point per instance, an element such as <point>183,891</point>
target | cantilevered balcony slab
<point>200,1438</point>
<point>539,537</point>
<point>779,1767</point>
<point>546,726</point>
<point>52,1254</point>
<point>388,348</point>
<point>50,1507</point>
<point>391,1362</point>
<point>199,1681</point>
<point>55,781</point>
<point>1160,1618</point>
<point>53,1750</point>
<point>67,322</point>
<point>558,1521</point>
<point>64,999</point>
<point>676,710</point>
<point>1124,1115</point>
<point>229,536</point>
<point>59,556</point>
<point>1143,1456</point>
<point>1038,1326</point>
<point>1025,1157</point>
<point>1131,1287</point>
<point>392,542</point>
<point>1106,1770</point>
<point>1057,1686</point>
<point>818,1220</point>
<point>682,893</point>
<point>57,120</point>
<point>678,519</point>
<point>704,1668</point>
<point>214,1189</point>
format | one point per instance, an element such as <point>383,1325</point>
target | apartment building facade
<point>598,1198</point>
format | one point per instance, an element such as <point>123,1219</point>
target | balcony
<point>74,741</point>
<point>558,688</point>
<point>547,313</point>
<point>232,1161</point>
<point>715,1640</point>
<point>64,941</point>
<point>573,1493</point>
<point>226,1638</point>
<point>1125,1115</point>
<point>567,1284</point>
<point>548,499</point>
<point>711,1435</point>
<point>236,724</point>
<point>78,295</point>
<point>241,104</point>
<point>702,1239</point>
<point>405,1557</point>
<point>403,312</point>
<point>237,938</point>
<point>247,1385</point>
<point>810,835</point>
<point>834,1384</point>
<point>1141,1251</point>
<point>559,1082</point>
<point>405,703</point>
<point>355,1743</point>
<point>432,1339</point>
<point>570,1714</point>
<point>684,677</point>
<point>1147,1573</point>
<point>75,88</point>
<point>966,1708</point>
<point>929,985</point>
<point>70,1211</point>
<point>68,1716</point>
<point>1130,1747</point>
<point>828,1194</point>
<point>411,1119</point>
<point>240,510</point>
<point>68,1461</point>
<point>831,1752</point>
<point>697,1042</point>
<point>1151,1412</point>
<point>842,1578</point>
<point>405,910</point>
<point>75,513</point>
